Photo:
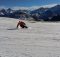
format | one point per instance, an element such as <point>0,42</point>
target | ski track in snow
<point>41,40</point>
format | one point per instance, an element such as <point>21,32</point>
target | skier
<point>21,24</point>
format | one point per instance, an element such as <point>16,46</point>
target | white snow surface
<point>41,40</point>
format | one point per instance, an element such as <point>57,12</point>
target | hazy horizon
<point>29,8</point>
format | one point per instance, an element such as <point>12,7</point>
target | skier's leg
<point>21,26</point>
<point>25,27</point>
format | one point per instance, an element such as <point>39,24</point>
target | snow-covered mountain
<point>39,11</point>
<point>44,13</point>
<point>53,11</point>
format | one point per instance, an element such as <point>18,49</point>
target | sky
<point>27,3</point>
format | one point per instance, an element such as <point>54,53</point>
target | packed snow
<point>41,39</point>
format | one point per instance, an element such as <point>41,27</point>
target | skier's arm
<point>17,25</point>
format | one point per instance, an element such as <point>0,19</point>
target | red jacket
<point>21,23</point>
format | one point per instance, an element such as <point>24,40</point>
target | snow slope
<point>42,40</point>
